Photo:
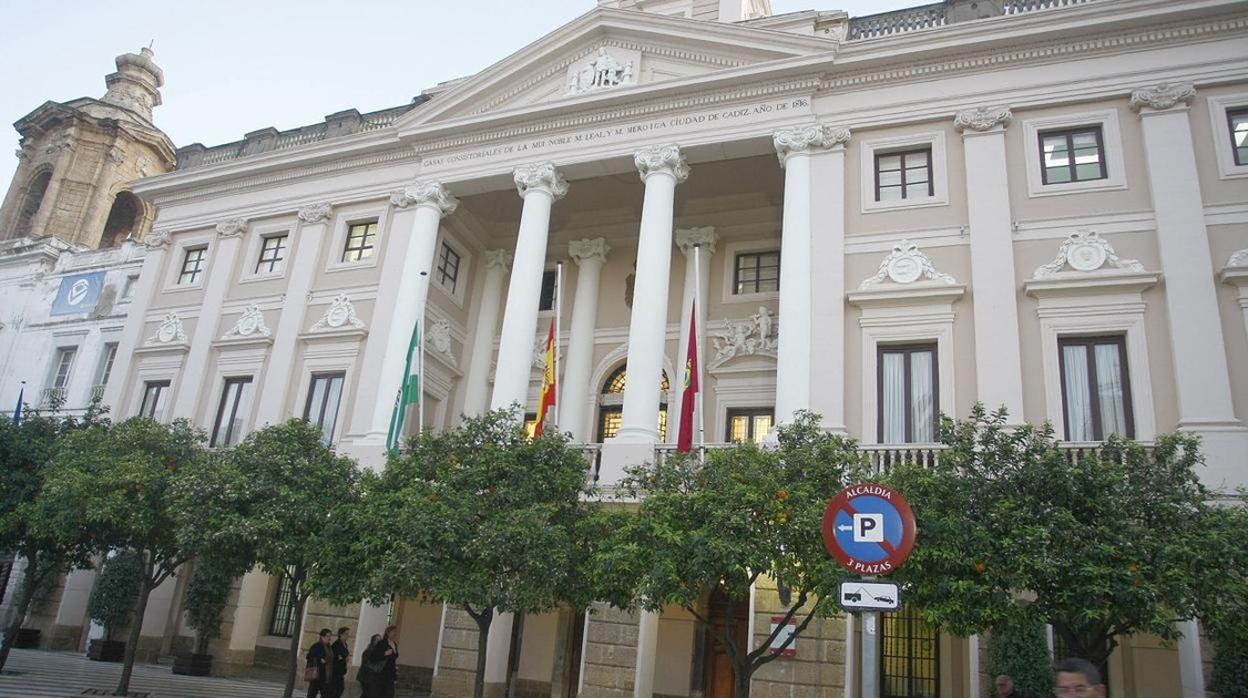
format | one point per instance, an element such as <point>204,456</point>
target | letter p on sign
<point>868,528</point>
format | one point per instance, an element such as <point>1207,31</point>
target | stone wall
<point>818,668</point>
<point>457,664</point>
<point>610,653</point>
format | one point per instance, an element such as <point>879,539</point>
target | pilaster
<point>157,243</point>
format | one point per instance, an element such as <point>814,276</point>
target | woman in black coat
<point>387,651</point>
<point>365,674</point>
<point>341,656</point>
<point>320,657</point>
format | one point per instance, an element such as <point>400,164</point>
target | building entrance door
<point>730,618</point>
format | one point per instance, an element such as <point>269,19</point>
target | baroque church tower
<point>78,158</point>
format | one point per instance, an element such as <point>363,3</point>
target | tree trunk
<point>27,594</point>
<point>483,639</point>
<point>742,675</point>
<point>292,665</point>
<point>136,627</point>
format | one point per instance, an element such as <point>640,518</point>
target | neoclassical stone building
<point>1036,204</point>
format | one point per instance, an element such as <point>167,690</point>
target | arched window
<point>122,219</point>
<point>611,404</point>
<point>31,203</point>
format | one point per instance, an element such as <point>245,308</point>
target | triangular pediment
<point>608,52</point>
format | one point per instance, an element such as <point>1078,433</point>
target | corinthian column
<point>998,360</point>
<point>795,147</point>
<point>405,279</point>
<point>477,383</point>
<point>661,168</point>
<point>540,186</point>
<point>687,239</point>
<point>589,255</point>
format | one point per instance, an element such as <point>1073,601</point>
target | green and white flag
<point>409,391</point>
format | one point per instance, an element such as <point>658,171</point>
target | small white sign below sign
<point>870,596</point>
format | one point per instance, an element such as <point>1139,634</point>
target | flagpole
<point>558,314</point>
<point>697,330</point>
<point>420,362</point>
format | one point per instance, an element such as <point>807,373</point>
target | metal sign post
<point>870,530</point>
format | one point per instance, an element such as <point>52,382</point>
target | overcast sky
<point>233,66</point>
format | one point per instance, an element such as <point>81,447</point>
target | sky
<point>233,66</point>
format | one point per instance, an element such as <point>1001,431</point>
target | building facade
<point>1035,204</point>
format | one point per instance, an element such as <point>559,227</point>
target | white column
<point>972,666</point>
<point>998,361</point>
<point>540,186</point>
<point>157,243</point>
<point>248,612</point>
<point>700,279</point>
<point>403,290</point>
<point>647,651</point>
<point>794,147</point>
<point>1191,665</point>
<point>1201,376</point>
<point>372,622</point>
<point>307,238</point>
<point>575,392</point>
<point>490,300</point>
<point>661,168</point>
<point>189,397</point>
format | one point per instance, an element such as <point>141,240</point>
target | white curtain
<point>1109,390</point>
<point>1078,401</point>
<point>893,398</point>
<point>922,396</point>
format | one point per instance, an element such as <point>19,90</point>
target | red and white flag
<point>684,438</point>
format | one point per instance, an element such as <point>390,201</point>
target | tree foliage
<point>747,512</point>
<point>206,596</point>
<point>482,517</point>
<point>1013,529</point>
<point>1020,650</point>
<point>112,600</point>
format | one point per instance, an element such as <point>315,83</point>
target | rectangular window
<point>272,252</point>
<point>360,240</point>
<point>907,394</point>
<point>1096,393</point>
<point>231,413</point>
<point>909,656</point>
<point>547,301</point>
<point>285,603</point>
<point>64,366</point>
<point>448,268</point>
<point>1074,155</point>
<point>324,395</point>
<point>192,266</point>
<point>756,272</point>
<point>749,424</point>
<point>610,418</point>
<point>106,363</point>
<point>1238,122</point>
<point>127,291</point>
<point>154,394</point>
<point>903,175</point>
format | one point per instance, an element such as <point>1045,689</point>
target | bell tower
<point>77,159</point>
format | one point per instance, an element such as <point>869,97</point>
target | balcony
<point>940,14</point>
<point>51,397</point>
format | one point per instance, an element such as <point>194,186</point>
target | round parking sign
<point>869,528</point>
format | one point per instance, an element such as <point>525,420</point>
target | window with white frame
<point>908,402</point>
<point>227,429</point>
<point>272,253</point>
<point>127,291</point>
<point>756,272</point>
<point>447,272</point>
<point>1237,126</point>
<point>1073,153</point>
<point>107,358</point>
<point>906,171</point>
<point>155,393</point>
<point>192,265</point>
<point>904,174</point>
<point>1096,389</point>
<point>361,238</point>
<point>324,397</point>
<point>62,367</point>
<point>1228,124</point>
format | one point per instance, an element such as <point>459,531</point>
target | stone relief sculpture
<point>169,331</point>
<point>755,334</point>
<point>438,338</point>
<point>1085,251</point>
<point>250,323</point>
<point>602,72</point>
<point>904,265</point>
<point>339,315</point>
<point>1238,259</point>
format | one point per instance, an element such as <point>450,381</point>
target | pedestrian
<point>320,666</point>
<point>341,655</point>
<point>1005,687</point>
<point>384,655</point>
<point>1078,678</point>
<point>368,668</point>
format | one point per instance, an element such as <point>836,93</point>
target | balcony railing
<point>936,15</point>
<point>97,392</point>
<point>593,460</point>
<point>51,396</point>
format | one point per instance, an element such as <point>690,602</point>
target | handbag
<point>311,673</point>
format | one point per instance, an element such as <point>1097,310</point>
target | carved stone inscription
<point>643,131</point>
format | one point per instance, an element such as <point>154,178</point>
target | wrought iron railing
<point>51,396</point>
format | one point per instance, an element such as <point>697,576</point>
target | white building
<point>1041,204</point>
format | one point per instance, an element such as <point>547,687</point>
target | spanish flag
<point>547,399</point>
<point>684,439</point>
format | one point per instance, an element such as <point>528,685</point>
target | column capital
<point>799,140</point>
<point>232,227</point>
<point>586,250</point>
<point>540,176</point>
<point>315,213</point>
<point>431,194</point>
<point>1162,96</point>
<point>497,259</point>
<point>687,238</point>
<point>157,239</point>
<point>982,119</point>
<point>662,158</point>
